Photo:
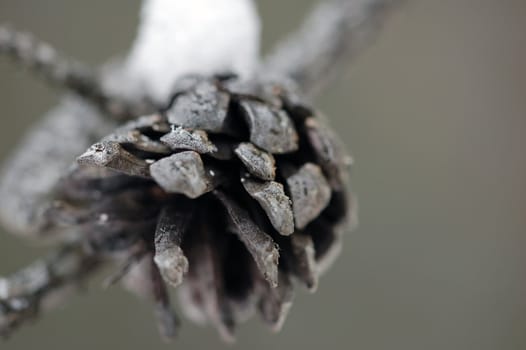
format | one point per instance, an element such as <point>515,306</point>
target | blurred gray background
<point>435,115</point>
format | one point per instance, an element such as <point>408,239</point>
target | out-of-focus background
<point>435,115</point>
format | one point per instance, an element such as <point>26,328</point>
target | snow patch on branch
<point>178,37</point>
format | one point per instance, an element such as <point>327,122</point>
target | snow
<point>178,37</point>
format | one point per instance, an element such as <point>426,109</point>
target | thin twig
<point>335,32</point>
<point>41,285</point>
<point>67,73</point>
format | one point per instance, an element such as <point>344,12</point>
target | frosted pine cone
<point>231,193</point>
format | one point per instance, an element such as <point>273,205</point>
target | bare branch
<point>335,32</point>
<point>41,285</point>
<point>67,73</point>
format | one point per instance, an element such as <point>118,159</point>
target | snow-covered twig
<point>42,285</point>
<point>67,73</point>
<point>334,33</point>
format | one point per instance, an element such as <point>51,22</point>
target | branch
<point>334,33</point>
<point>64,72</point>
<point>42,284</point>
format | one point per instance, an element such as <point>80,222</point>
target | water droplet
<point>103,218</point>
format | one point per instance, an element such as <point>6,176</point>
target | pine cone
<point>231,193</point>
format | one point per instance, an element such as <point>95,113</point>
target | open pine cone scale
<point>233,191</point>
